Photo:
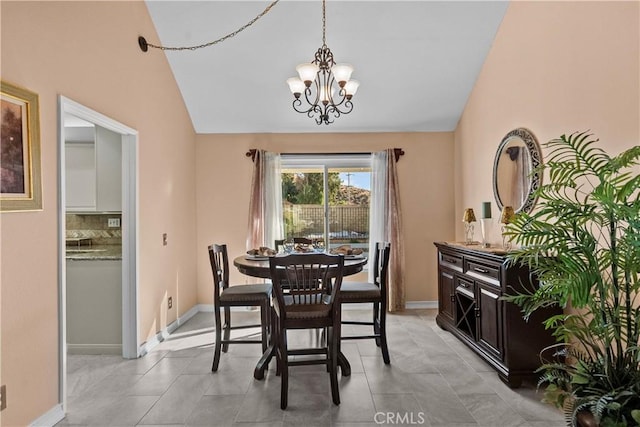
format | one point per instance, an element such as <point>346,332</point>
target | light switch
<point>113,222</point>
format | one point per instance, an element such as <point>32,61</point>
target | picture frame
<point>20,164</point>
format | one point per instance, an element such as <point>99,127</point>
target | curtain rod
<point>396,151</point>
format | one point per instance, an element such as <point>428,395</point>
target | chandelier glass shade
<point>323,89</point>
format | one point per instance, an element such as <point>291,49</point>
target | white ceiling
<point>416,61</point>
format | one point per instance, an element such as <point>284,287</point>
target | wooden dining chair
<point>225,297</point>
<point>371,292</point>
<point>308,300</point>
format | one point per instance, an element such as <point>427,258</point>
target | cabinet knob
<point>477,310</point>
<point>453,298</point>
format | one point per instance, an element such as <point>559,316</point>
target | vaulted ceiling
<point>417,61</point>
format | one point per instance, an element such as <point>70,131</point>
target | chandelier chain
<point>221,39</point>
<point>324,24</point>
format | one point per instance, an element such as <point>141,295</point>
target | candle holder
<point>505,218</point>
<point>468,218</point>
<point>485,223</point>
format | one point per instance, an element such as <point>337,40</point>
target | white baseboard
<point>148,345</point>
<point>421,304</point>
<point>94,349</point>
<point>50,418</point>
<point>208,308</point>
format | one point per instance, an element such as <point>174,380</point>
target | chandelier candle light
<point>468,218</point>
<point>322,74</point>
<point>484,223</point>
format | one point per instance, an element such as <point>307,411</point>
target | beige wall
<point>426,187</point>
<point>88,51</point>
<point>554,68</point>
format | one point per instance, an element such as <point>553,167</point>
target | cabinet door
<point>80,180</point>
<point>489,318</point>
<point>446,293</point>
<point>109,170</point>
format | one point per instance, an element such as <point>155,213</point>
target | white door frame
<point>130,344</point>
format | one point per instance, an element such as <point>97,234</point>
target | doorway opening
<point>124,184</point>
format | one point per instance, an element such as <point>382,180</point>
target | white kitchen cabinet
<point>80,182</point>
<point>94,171</point>
<point>108,170</point>
<point>94,306</point>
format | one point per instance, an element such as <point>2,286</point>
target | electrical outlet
<point>3,397</point>
<point>164,239</point>
<point>170,302</point>
<point>113,222</point>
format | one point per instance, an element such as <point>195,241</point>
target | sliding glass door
<point>326,198</point>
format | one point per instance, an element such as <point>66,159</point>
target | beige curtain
<point>265,203</point>
<point>394,235</point>
<point>256,229</point>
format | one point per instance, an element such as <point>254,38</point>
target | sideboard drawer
<point>466,287</point>
<point>490,273</point>
<point>452,261</point>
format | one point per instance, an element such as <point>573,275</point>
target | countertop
<point>477,246</point>
<point>94,252</point>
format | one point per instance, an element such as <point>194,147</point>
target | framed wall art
<point>20,168</point>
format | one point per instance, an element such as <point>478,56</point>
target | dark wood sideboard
<point>470,284</point>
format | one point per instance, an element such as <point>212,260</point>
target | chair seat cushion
<point>246,292</point>
<point>307,311</point>
<point>359,292</point>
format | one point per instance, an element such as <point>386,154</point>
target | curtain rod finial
<point>398,152</point>
<point>251,153</point>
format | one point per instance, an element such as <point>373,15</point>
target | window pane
<point>345,221</point>
<point>303,201</point>
<point>349,194</point>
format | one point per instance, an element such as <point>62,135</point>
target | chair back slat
<point>306,279</point>
<point>219,268</point>
<point>381,264</point>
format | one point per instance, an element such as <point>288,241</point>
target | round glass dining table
<point>259,267</point>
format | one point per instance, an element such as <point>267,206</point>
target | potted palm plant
<point>583,243</point>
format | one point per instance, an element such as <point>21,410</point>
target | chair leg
<point>284,369</point>
<point>333,364</point>
<point>264,325</point>
<point>227,328</point>
<point>376,321</point>
<point>218,343</point>
<point>383,335</point>
<point>275,340</point>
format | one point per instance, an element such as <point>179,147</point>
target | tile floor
<point>433,380</point>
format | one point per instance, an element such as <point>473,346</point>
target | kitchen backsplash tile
<point>95,227</point>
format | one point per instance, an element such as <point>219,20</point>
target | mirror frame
<point>535,179</point>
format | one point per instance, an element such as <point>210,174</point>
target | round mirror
<point>514,176</point>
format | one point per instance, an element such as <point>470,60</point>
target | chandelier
<point>317,81</point>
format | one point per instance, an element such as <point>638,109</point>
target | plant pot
<point>586,419</point>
